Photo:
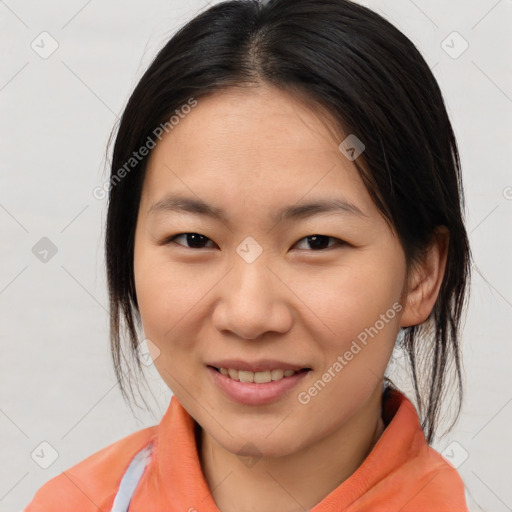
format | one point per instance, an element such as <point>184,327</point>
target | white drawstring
<point>131,479</point>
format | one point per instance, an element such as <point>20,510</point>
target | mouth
<point>258,377</point>
<point>268,384</point>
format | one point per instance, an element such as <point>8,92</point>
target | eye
<point>320,242</point>
<point>194,240</point>
<point>198,241</point>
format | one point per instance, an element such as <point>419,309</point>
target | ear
<point>425,279</point>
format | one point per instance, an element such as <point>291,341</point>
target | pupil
<point>194,240</point>
<point>318,241</point>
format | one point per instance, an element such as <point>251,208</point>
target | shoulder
<point>422,478</point>
<point>437,484</point>
<point>92,483</point>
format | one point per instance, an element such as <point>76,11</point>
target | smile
<point>256,387</point>
<point>258,377</point>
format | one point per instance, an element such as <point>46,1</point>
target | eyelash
<point>337,240</point>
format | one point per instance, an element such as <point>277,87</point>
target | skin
<point>251,152</point>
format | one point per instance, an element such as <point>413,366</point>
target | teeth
<point>257,377</point>
<point>244,376</point>
<point>277,374</point>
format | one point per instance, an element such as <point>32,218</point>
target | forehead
<point>249,144</point>
<point>258,119</point>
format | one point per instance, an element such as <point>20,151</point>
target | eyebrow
<point>181,204</point>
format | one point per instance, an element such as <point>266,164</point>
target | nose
<point>253,300</point>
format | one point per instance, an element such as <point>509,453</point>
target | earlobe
<point>425,279</point>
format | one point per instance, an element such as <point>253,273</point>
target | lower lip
<point>251,393</point>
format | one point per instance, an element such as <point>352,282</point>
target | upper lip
<point>260,365</point>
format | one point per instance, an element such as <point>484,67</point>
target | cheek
<point>166,296</point>
<point>352,297</point>
<point>165,293</point>
<point>356,315</point>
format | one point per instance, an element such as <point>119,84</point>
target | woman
<point>285,206</point>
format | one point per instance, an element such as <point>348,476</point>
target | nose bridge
<point>251,276</point>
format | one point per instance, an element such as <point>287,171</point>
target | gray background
<point>57,385</point>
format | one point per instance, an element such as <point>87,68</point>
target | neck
<point>288,483</point>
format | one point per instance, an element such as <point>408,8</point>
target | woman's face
<point>256,290</point>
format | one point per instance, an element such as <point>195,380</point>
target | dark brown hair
<point>370,77</point>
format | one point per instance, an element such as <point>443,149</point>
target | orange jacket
<point>401,473</point>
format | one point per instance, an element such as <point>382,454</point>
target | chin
<point>259,442</point>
